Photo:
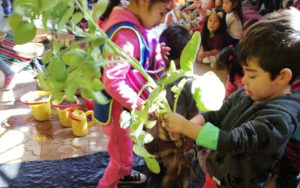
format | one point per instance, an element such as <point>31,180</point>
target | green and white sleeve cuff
<point>208,136</point>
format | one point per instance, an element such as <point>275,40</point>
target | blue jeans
<point>6,4</point>
<point>5,69</point>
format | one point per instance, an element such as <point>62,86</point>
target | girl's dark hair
<point>175,37</point>
<point>110,6</point>
<point>238,9</point>
<point>275,41</point>
<point>228,59</point>
<point>205,31</point>
<point>113,3</point>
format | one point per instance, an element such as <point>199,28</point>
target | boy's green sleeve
<point>208,136</point>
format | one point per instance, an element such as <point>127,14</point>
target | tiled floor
<point>24,139</point>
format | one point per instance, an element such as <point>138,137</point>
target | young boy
<point>249,133</point>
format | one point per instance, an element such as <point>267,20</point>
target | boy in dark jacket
<point>248,135</point>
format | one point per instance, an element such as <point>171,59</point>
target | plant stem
<point>177,98</point>
<point>119,51</point>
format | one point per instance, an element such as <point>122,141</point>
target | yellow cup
<point>41,112</point>
<point>39,102</point>
<point>80,124</point>
<point>63,111</point>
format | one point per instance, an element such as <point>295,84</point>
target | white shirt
<point>234,25</point>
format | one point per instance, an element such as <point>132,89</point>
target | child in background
<point>176,37</point>
<point>7,7</point>
<point>213,35</point>
<point>191,16</point>
<point>218,3</point>
<point>248,135</point>
<point>228,61</point>
<point>128,29</point>
<point>177,164</point>
<point>234,20</point>
<point>8,75</point>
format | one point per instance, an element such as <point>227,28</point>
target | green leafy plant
<point>71,66</point>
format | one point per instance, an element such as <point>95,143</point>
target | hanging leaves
<point>189,53</point>
<point>24,27</point>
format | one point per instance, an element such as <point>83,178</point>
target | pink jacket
<point>115,77</point>
<point>230,88</point>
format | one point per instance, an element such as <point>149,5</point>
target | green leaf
<point>77,17</point>
<point>74,56</point>
<point>55,85</point>
<point>99,97</point>
<point>189,53</point>
<point>152,164</point>
<point>98,9</point>
<point>96,85</point>
<point>58,11</point>
<point>47,56</point>
<point>56,47</point>
<point>46,4</point>
<point>144,138</point>
<point>22,28</point>
<point>150,124</point>
<point>65,18</point>
<point>172,66</point>
<point>58,69</point>
<point>171,76</point>
<point>89,68</point>
<point>72,87</point>
<point>57,94</point>
<point>45,20</point>
<point>86,93</point>
<point>125,119</point>
<point>42,82</point>
<point>92,28</point>
<point>14,20</point>
<point>28,8</point>
<point>141,151</point>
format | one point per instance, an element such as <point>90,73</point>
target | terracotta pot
<point>40,36</point>
<point>65,36</point>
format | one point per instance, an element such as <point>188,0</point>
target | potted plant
<point>70,66</point>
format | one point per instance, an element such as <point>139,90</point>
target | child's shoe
<point>8,11</point>
<point>8,82</point>
<point>133,178</point>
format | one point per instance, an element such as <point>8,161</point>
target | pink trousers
<point>119,149</point>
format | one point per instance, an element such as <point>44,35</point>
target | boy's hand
<point>165,50</point>
<point>174,122</point>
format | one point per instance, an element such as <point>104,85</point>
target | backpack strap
<point>102,112</point>
<point>144,49</point>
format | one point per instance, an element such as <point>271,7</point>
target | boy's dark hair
<point>275,41</point>
<point>228,59</point>
<point>250,22</point>
<point>175,37</point>
<point>205,32</point>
